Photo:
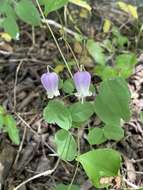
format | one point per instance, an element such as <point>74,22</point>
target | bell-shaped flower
<point>82,80</point>
<point>50,82</point>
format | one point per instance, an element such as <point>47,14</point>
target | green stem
<point>56,42</point>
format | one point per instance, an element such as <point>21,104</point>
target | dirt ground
<point>21,93</point>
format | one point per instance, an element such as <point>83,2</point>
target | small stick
<point>15,83</point>
<point>46,173</point>
<point>57,25</point>
<point>130,184</point>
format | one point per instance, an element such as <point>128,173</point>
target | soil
<point>21,93</point>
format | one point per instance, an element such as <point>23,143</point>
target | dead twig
<point>133,186</point>
<point>46,173</point>
<point>15,83</point>
<point>57,25</point>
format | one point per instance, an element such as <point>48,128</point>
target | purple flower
<point>82,80</point>
<point>50,82</point>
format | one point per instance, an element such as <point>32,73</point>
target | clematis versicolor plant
<point>82,80</point>
<point>50,82</point>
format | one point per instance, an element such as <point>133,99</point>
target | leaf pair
<point>100,135</point>
<point>57,113</point>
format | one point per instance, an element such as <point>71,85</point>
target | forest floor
<point>21,93</point>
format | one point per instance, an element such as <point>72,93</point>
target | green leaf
<point>81,112</point>
<point>121,41</point>
<point>66,187</point>
<point>11,128</point>
<point>126,59</point>
<point>11,27</point>
<point>113,132</point>
<point>81,3</point>
<point>2,110</point>
<point>92,89</point>
<point>141,116</point>
<point>125,64</point>
<point>105,72</point>
<point>113,101</point>
<point>57,113</point>
<point>52,5</point>
<point>27,12</point>
<point>96,136</point>
<point>1,121</point>
<point>66,145</point>
<point>100,163</point>
<point>2,113</point>
<point>7,9</point>
<point>96,51</point>
<point>68,86</point>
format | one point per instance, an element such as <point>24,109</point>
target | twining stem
<point>56,42</point>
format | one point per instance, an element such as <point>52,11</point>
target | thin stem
<point>33,36</point>
<point>73,54</point>
<point>77,165</point>
<point>56,42</point>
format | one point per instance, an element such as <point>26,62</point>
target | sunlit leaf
<point>107,25</point>
<point>133,11</point>
<point>59,68</point>
<point>130,9</point>
<point>81,3</point>
<point>6,36</point>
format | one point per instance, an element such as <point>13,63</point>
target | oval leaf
<point>96,136</point>
<point>27,12</point>
<point>81,112</point>
<point>96,51</point>
<point>66,145</point>
<point>113,132</point>
<point>57,113</point>
<point>11,27</point>
<point>113,101</point>
<point>100,163</point>
<point>11,128</point>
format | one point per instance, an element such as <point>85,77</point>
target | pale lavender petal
<point>82,80</point>
<point>50,83</point>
